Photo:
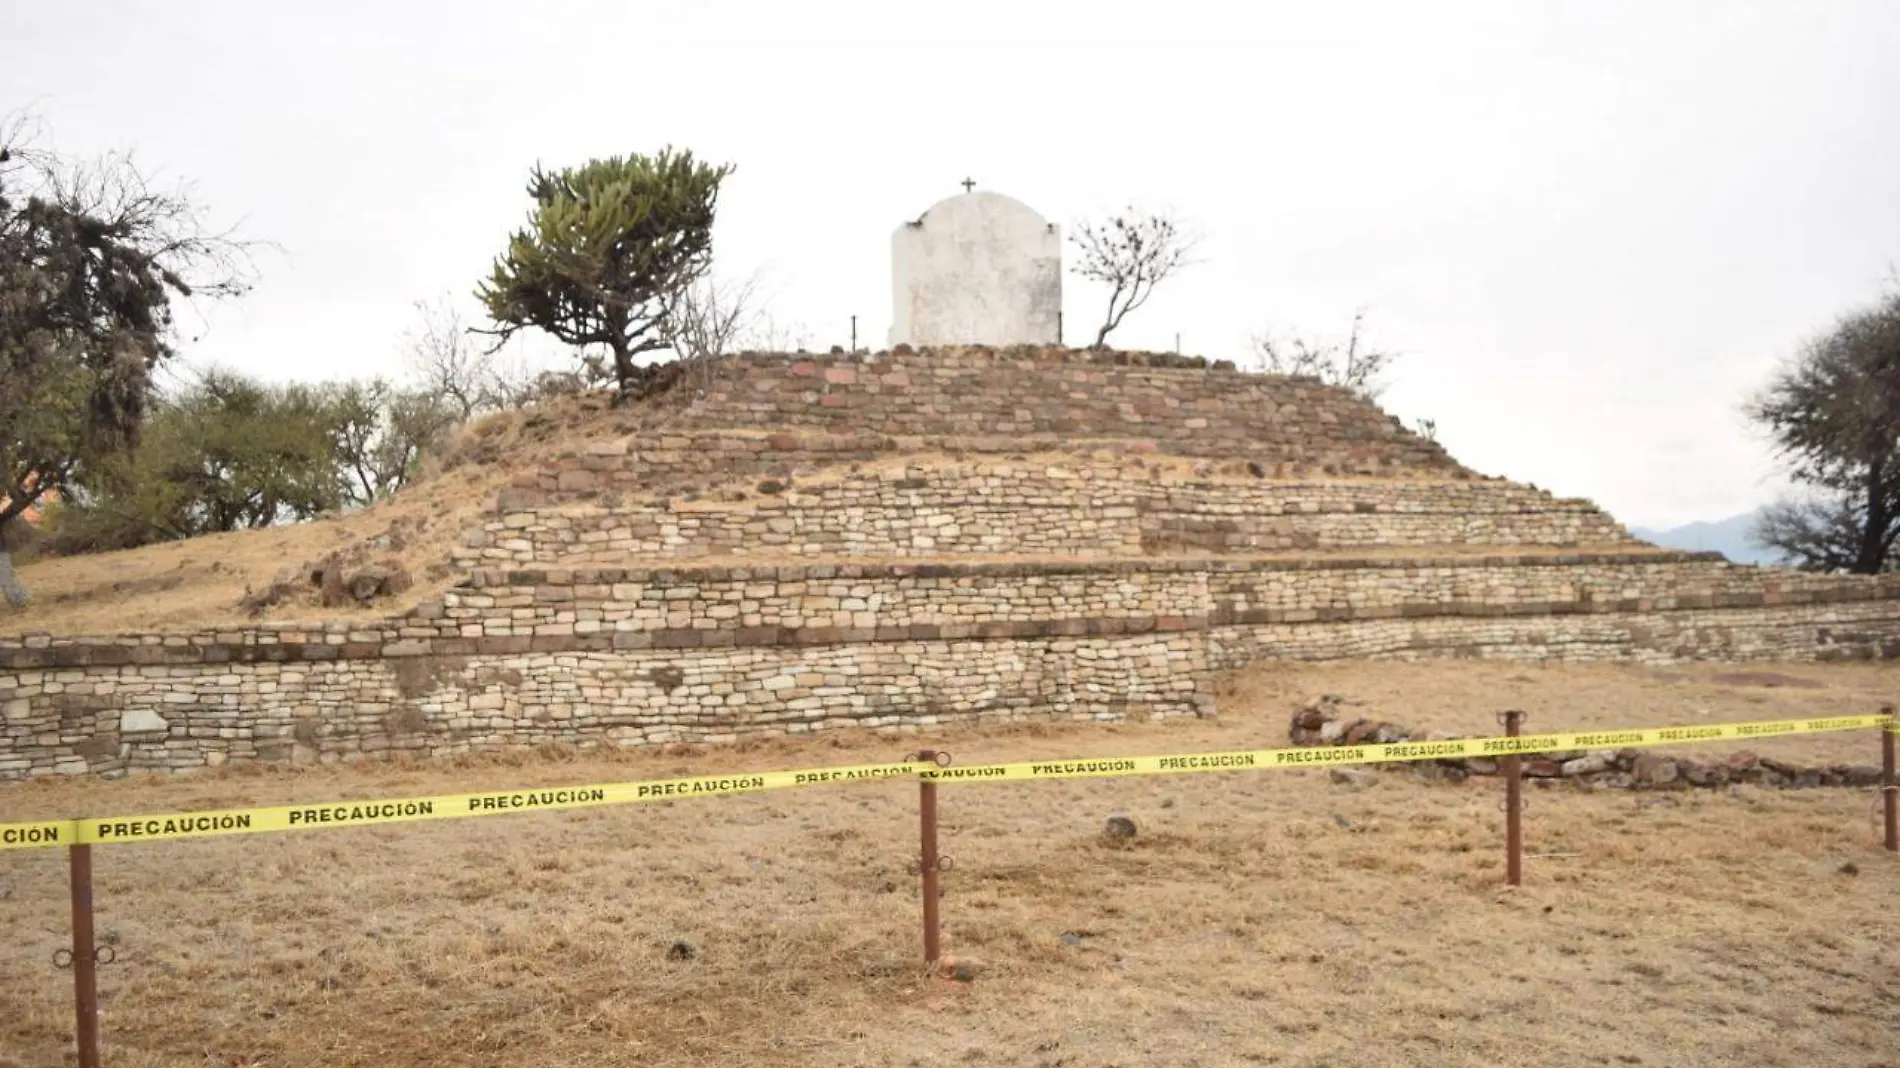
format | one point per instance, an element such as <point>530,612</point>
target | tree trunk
<point>15,503</point>
<point>1871,555</point>
<point>9,585</point>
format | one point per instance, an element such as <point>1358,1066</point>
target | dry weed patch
<point>1256,918</point>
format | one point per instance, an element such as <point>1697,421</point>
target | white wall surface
<point>977,269</point>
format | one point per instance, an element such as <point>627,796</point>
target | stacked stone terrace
<point>795,543</point>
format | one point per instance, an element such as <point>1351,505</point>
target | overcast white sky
<point>1591,227</point>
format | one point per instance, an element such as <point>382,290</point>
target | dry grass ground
<point>1266,918</point>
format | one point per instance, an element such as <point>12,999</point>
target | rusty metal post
<point>85,975</point>
<point>1512,766</point>
<point>927,861</point>
<point>1889,792</point>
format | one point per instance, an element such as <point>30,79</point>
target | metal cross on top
<point>969,184</point>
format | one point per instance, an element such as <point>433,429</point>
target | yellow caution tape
<point>37,835</point>
<point>369,812</point>
<point>1390,752</point>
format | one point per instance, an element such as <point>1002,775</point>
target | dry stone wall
<point>1822,630</point>
<point>1042,511</point>
<point>629,657</point>
<point>109,719</point>
<point>827,410</point>
<point>1317,588</point>
<point>683,462</point>
<point>1186,405</point>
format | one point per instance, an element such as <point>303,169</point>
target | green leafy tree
<point>1833,413</point>
<point>380,434</point>
<point>92,260</point>
<point>227,453</point>
<point>607,251</point>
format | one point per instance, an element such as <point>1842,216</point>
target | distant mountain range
<point>1726,536</point>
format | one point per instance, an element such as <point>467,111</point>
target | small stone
<point>1742,761</point>
<point>366,583</point>
<point>1699,774</point>
<point>1653,770</point>
<point>1850,868</point>
<point>963,969</point>
<point>1540,768</point>
<point>1071,939</point>
<point>1361,732</point>
<point>142,721</point>
<point>1356,778</point>
<point>1860,775</point>
<point>1119,829</point>
<point>1331,732</point>
<point>682,950</point>
<point>1589,764</point>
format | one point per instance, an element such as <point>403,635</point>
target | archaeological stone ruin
<point>993,530</point>
<point>958,535</point>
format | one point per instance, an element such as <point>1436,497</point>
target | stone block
<point>144,720</point>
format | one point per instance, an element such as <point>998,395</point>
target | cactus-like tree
<point>607,251</point>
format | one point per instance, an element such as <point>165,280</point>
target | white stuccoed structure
<point>977,269</point>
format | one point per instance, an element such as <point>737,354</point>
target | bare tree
<point>772,335</point>
<point>1814,532</point>
<point>1131,253</point>
<point>379,434</point>
<point>1832,413</point>
<point>445,360</point>
<point>1353,363</point>
<point>711,318</point>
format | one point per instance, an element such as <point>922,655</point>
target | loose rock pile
<point>331,582</point>
<point>1325,722</point>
